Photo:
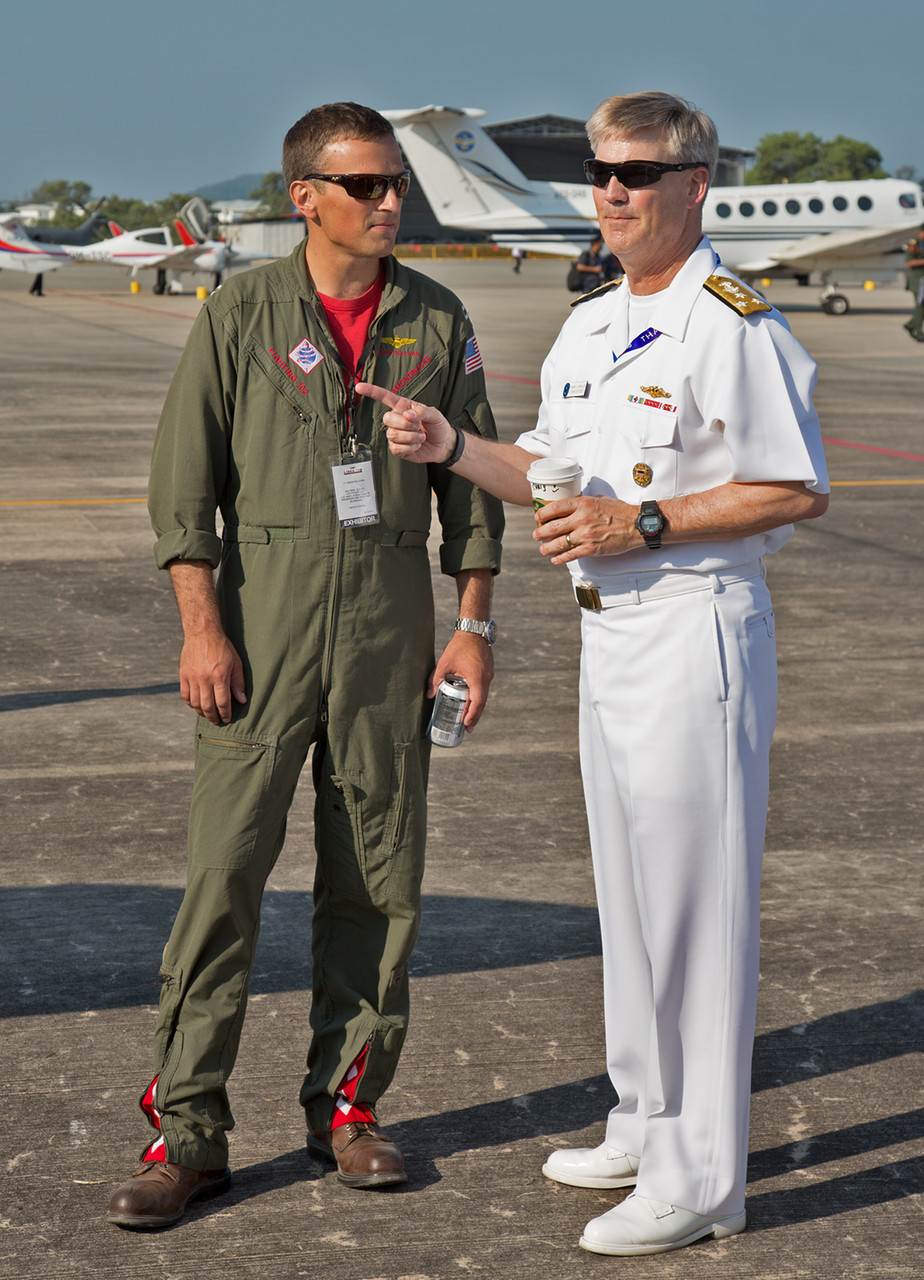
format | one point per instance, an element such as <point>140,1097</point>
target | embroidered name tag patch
<point>306,356</point>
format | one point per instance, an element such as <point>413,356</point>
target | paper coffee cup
<point>551,478</point>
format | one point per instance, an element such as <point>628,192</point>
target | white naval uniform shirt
<point>717,397</point>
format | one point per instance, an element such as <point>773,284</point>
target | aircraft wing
<point>842,247</point>
<point>180,259</point>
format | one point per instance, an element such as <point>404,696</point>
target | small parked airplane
<point>837,229</point>
<point>139,250</point>
<point>19,252</point>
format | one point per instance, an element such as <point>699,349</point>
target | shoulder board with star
<point>599,291</point>
<point>736,295</point>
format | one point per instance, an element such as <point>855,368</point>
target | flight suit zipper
<point>347,442</point>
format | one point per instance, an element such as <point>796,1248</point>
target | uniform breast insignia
<point>657,392</point>
<point>642,474</point>
<point>736,295</point>
<point>397,344</point>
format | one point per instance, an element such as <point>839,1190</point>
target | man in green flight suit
<point>914,282</point>
<point>317,637</point>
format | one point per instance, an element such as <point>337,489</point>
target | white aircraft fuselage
<point>835,228</point>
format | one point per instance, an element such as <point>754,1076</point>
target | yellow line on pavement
<point>69,502</point>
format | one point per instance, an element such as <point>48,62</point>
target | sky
<point>173,96</point>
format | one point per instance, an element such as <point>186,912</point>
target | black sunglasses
<point>633,173</point>
<point>366,186</point>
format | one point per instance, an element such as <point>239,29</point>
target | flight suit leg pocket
<point>405,832</point>
<point>231,797</point>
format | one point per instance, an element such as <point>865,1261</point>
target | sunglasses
<point>366,186</point>
<point>632,174</point>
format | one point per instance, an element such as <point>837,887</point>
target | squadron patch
<point>736,295</point>
<point>306,356</point>
<point>642,474</point>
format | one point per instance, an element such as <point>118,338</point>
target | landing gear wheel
<point>836,304</point>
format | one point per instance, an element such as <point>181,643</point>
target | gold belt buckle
<point>588,597</point>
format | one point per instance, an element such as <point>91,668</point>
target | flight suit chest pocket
<point>273,442</point>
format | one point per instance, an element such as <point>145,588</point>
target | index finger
<point>388,398</point>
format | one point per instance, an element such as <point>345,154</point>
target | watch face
<point>650,524</point>
<point>491,632</point>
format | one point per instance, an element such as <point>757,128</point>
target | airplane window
<point>839,203</point>
<point>745,208</point>
<point>793,206</point>
<point>154,237</point>
<point>723,210</point>
<point>864,203</point>
<point>906,200</point>
<point>816,205</point>
<point>770,207</point>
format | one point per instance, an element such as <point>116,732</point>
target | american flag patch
<point>472,355</point>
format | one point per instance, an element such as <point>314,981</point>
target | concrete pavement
<point>504,1057</point>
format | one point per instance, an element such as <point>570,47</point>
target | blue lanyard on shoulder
<point>636,344</point>
<point>649,335</point>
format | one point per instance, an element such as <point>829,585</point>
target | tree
<point>69,198</point>
<point>804,157</point>
<point>273,195</point>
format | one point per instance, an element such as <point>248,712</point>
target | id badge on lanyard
<point>354,486</point>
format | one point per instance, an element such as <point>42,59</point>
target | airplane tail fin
<point>183,232</point>
<point>115,229</point>
<point>466,177</point>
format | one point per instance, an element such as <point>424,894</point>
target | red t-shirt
<point>349,320</point>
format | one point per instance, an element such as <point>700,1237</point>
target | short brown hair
<point>689,133</point>
<point>333,122</point>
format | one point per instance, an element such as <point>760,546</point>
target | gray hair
<point>689,133</point>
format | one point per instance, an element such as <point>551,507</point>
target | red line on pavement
<point>872,448</point>
<point>506,377</point>
<point>132,306</point>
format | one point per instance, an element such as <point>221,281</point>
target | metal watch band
<point>487,630</point>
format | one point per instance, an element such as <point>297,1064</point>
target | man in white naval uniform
<point>687,402</point>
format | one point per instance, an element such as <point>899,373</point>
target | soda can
<point>446,728</point>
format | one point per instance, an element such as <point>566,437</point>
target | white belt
<point>634,588</point>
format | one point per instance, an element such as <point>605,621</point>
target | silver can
<point>446,728</point>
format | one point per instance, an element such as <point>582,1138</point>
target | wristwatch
<point>651,524</point>
<point>487,630</point>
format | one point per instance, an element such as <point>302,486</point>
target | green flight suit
<point>335,630</point>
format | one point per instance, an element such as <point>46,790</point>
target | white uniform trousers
<point>678,704</point>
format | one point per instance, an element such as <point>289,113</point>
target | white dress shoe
<point>647,1226</point>
<point>592,1167</point>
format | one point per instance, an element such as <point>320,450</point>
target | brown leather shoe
<point>158,1194</point>
<point>365,1156</point>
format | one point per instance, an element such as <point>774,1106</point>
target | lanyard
<point>636,344</point>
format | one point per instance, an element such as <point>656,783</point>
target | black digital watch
<point>651,524</point>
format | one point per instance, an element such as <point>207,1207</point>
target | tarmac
<point>504,1059</point>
